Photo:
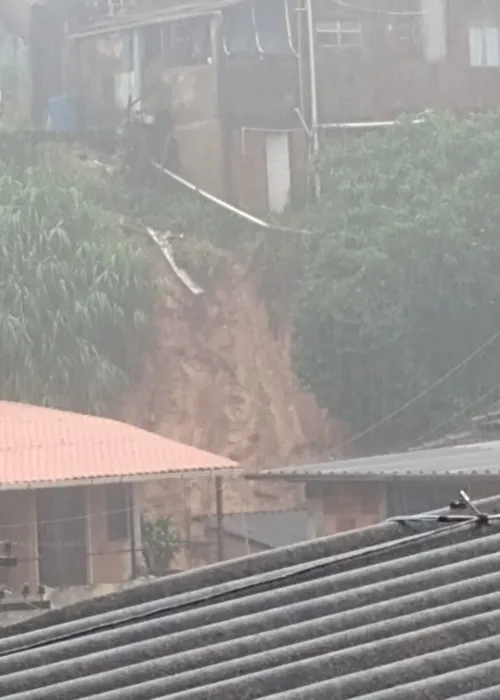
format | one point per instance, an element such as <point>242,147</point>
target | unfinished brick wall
<point>350,504</point>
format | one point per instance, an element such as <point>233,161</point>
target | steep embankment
<point>220,379</point>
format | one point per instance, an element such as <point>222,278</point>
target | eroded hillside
<point>222,380</point>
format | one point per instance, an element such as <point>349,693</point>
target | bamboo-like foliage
<point>76,297</point>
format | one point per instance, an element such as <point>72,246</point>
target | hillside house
<point>71,493</point>
<point>237,95</point>
<point>243,91</point>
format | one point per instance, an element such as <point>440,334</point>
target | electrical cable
<point>73,518</point>
<point>420,395</point>
<point>464,410</point>
<point>68,519</point>
<point>240,587</point>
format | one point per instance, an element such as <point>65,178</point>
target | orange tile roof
<point>42,445</point>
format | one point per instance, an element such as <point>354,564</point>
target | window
<point>484,46</point>
<point>189,41</point>
<point>239,36</point>
<point>405,29</point>
<point>339,33</point>
<point>273,29</point>
<point>117,512</point>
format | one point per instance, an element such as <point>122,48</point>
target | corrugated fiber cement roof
<point>392,612</point>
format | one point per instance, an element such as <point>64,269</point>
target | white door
<point>128,80</point>
<point>434,25</point>
<point>278,170</point>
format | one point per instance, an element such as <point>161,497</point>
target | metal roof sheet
<point>480,459</point>
<point>171,13</point>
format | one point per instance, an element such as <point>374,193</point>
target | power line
<point>472,404</point>
<point>421,394</point>
<point>219,593</point>
<point>71,518</point>
<point>68,519</point>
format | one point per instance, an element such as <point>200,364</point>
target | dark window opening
<point>62,536</point>
<point>189,42</point>
<point>239,36</point>
<point>152,39</point>
<point>273,27</point>
<point>118,512</point>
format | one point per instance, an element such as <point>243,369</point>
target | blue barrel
<point>62,114</point>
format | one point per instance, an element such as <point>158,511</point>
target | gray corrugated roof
<point>384,613</point>
<point>271,528</point>
<point>170,13</point>
<point>478,459</point>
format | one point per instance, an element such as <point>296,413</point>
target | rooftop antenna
<point>463,503</point>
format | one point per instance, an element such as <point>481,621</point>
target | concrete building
<point>71,494</point>
<point>243,92</point>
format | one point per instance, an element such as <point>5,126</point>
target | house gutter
<point>313,79</point>
<point>132,479</point>
<point>225,205</point>
<point>371,125</point>
<point>371,477</point>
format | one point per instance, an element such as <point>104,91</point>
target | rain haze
<point>249,349</point>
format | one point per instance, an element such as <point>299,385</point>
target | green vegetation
<point>160,542</point>
<point>403,280</point>
<point>77,298</point>
<point>399,284</point>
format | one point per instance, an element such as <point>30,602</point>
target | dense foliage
<point>76,297</point>
<point>160,543</point>
<point>403,281</point>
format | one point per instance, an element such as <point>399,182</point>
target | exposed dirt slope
<point>221,380</point>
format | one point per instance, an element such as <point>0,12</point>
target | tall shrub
<point>403,281</point>
<point>76,297</point>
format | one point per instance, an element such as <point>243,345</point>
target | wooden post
<point>132,527</point>
<point>219,509</point>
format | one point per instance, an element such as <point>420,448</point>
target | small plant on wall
<point>160,543</point>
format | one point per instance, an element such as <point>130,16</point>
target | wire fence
<point>192,544</point>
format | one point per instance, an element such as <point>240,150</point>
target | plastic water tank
<point>62,114</point>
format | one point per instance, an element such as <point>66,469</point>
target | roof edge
<point>124,479</point>
<point>301,476</point>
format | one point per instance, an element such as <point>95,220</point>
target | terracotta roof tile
<point>40,445</point>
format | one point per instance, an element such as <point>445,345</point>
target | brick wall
<point>349,505</point>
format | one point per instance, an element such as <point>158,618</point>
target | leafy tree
<point>76,297</point>
<point>403,280</point>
